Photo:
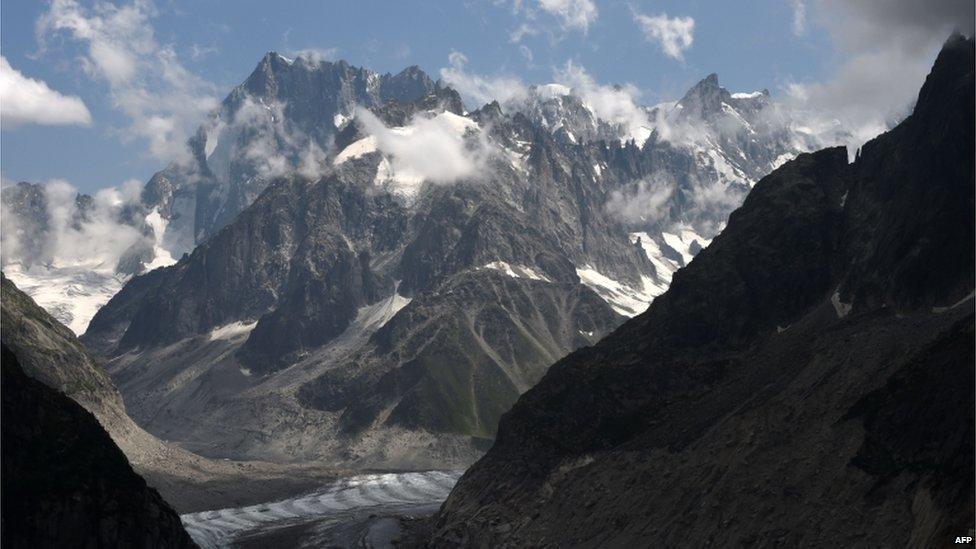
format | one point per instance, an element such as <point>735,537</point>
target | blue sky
<point>751,45</point>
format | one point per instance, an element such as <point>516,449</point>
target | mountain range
<point>71,252</point>
<point>806,380</point>
<point>379,297</point>
<point>668,323</point>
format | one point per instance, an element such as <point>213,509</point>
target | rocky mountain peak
<point>705,98</point>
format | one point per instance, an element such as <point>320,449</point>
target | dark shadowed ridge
<point>65,483</point>
<point>806,381</point>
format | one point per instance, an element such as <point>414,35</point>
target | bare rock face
<point>806,380</point>
<point>65,483</point>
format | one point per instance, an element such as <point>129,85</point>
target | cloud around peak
<point>480,89</point>
<point>25,100</point>
<point>430,148</point>
<point>885,50</point>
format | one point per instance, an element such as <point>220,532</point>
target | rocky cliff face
<point>65,483</point>
<point>286,113</point>
<point>807,379</point>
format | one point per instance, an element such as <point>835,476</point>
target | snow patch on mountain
<point>232,330</point>
<point>356,149</point>
<point>663,266</point>
<point>842,309</point>
<point>516,271</point>
<point>624,299</point>
<point>373,317</point>
<point>682,242</point>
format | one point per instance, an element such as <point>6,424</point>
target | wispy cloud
<point>480,89</point>
<point>521,32</point>
<point>163,101</point>
<point>614,104</point>
<point>887,48</point>
<point>25,100</point>
<point>273,147</point>
<point>198,52</point>
<point>68,237</point>
<point>673,34</point>
<point>643,201</point>
<point>799,17</point>
<point>317,55</point>
<point>571,14</point>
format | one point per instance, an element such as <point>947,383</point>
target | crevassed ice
<point>399,491</point>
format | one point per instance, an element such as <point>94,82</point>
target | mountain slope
<point>65,483</point>
<point>49,352</point>
<point>806,380</point>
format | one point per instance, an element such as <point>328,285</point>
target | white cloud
<point>799,17</point>
<point>317,55</point>
<point>480,89</point>
<point>433,149</point>
<point>572,14</point>
<point>644,202</point>
<point>521,32</point>
<point>614,104</point>
<point>25,100</point>
<point>675,35</point>
<point>274,149</point>
<point>887,48</point>
<point>198,52</point>
<point>163,100</point>
<point>96,238</point>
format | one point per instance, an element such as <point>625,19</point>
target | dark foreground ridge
<point>65,483</point>
<point>806,381</point>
